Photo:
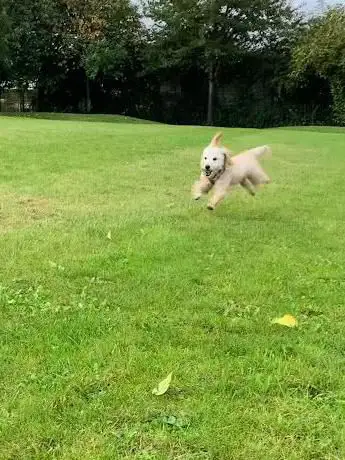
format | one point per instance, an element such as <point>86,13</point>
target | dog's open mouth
<point>208,173</point>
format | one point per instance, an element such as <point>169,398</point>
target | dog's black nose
<point>207,167</point>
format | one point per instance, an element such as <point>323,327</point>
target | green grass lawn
<point>76,117</point>
<point>90,325</point>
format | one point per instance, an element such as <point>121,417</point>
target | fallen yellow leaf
<point>163,386</point>
<point>109,235</point>
<point>286,320</point>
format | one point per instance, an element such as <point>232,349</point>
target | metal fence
<point>14,100</point>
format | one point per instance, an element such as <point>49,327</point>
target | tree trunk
<point>210,103</point>
<point>35,107</point>
<point>88,97</point>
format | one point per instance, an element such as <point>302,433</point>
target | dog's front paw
<point>196,192</point>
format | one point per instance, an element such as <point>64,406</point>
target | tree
<point>322,50</point>
<point>34,41</point>
<point>214,33</point>
<point>107,35</point>
<point>50,40</point>
<point>4,35</point>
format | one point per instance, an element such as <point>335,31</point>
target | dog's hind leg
<point>203,185</point>
<point>245,183</point>
<point>258,176</point>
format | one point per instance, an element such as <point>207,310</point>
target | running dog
<point>220,171</point>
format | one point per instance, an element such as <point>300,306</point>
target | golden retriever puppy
<point>221,171</point>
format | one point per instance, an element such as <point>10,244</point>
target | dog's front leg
<point>220,190</point>
<point>203,185</point>
<point>215,200</point>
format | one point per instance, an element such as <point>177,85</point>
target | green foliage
<point>4,36</point>
<point>106,35</point>
<point>322,46</point>
<point>214,34</point>
<point>338,94</point>
<point>322,50</point>
<point>217,31</point>
<point>32,40</point>
<point>119,47</point>
<point>50,38</point>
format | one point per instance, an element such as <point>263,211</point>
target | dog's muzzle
<point>208,173</point>
<point>207,170</point>
<point>212,175</point>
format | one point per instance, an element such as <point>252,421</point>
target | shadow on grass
<point>76,117</point>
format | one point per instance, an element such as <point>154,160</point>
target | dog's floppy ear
<point>216,140</point>
<point>227,157</point>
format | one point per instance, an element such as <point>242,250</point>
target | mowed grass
<point>90,324</point>
<point>104,118</point>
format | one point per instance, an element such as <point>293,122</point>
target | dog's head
<point>215,158</point>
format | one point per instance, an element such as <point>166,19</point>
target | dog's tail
<point>261,151</point>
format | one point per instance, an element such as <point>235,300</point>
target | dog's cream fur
<point>221,171</point>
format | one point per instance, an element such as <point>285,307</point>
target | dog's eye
<point>214,159</point>
<point>205,158</point>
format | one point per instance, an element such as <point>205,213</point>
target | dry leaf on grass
<point>109,235</point>
<point>57,266</point>
<point>163,386</point>
<point>286,320</point>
